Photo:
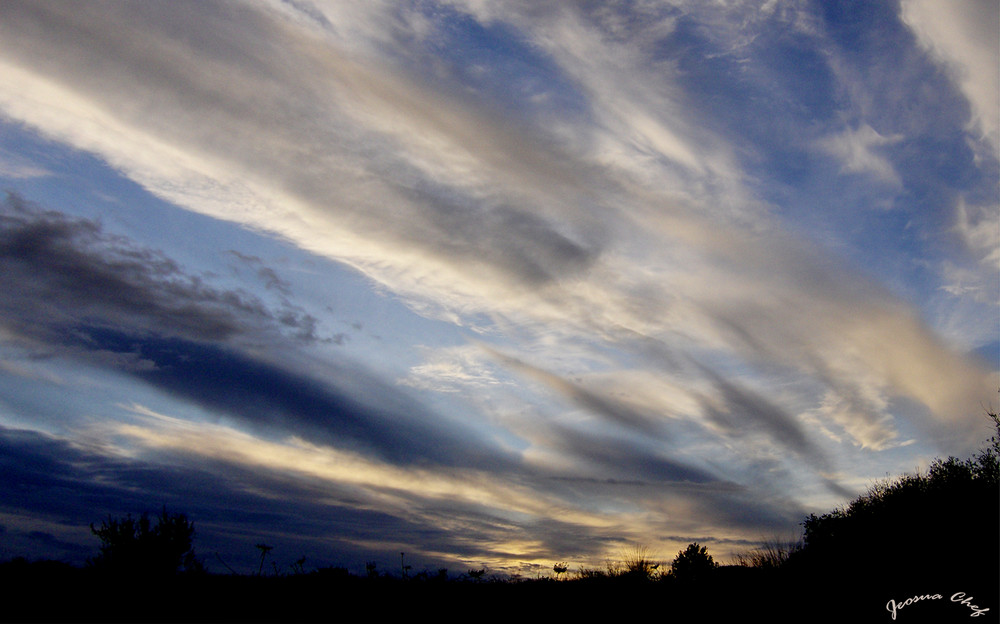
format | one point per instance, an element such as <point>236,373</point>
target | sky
<point>492,284</point>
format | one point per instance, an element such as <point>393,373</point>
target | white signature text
<point>960,598</point>
<point>894,607</point>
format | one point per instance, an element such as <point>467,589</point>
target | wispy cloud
<point>17,167</point>
<point>963,36</point>
<point>857,149</point>
<point>702,250</point>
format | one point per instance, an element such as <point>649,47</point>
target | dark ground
<point>790,594</point>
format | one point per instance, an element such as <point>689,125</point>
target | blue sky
<point>492,284</point>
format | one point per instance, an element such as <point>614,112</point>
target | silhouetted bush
<point>938,529</point>
<point>139,546</point>
<point>692,564</point>
<point>637,565</point>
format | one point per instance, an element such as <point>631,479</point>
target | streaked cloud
<point>963,36</point>
<point>641,270</point>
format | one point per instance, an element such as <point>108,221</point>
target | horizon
<point>494,285</point>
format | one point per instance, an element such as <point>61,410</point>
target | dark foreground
<point>788,594</point>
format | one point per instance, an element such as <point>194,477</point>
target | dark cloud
<point>290,316</point>
<point>70,486</point>
<point>372,417</point>
<point>599,404</point>
<point>49,541</point>
<point>747,413</point>
<point>519,244</point>
<point>707,539</point>
<point>625,459</point>
<point>56,271</point>
<point>81,292</point>
<point>266,274</point>
<point>54,479</point>
<point>615,410</point>
<point>751,510</point>
<point>234,506</point>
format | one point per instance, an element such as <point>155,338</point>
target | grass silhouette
<point>772,553</point>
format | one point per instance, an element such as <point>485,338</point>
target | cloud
<point>962,36</point>
<point>266,274</point>
<point>856,149</point>
<point>266,396</point>
<point>744,413</point>
<point>616,223</point>
<point>60,271</point>
<point>852,415</point>
<point>61,486</point>
<point>344,470</point>
<point>453,370</point>
<point>979,228</point>
<point>17,167</point>
<point>626,458</point>
<point>69,288</point>
<point>615,411</point>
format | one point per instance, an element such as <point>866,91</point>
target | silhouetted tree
<point>143,547</point>
<point>693,563</point>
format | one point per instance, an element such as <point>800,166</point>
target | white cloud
<point>454,370</point>
<point>979,227</point>
<point>962,34</point>
<point>972,282</point>
<point>857,149</point>
<point>20,168</point>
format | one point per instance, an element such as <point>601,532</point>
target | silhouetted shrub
<point>692,564</point>
<point>477,575</point>
<point>138,546</point>
<point>938,526</point>
<point>637,565</point>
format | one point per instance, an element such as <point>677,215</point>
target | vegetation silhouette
<point>934,525</point>
<point>638,565</point>
<point>936,532</point>
<point>139,546</point>
<point>264,551</point>
<point>560,569</point>
<point>902,542</point>
<point>770,554</point>
<point>692,564</point>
